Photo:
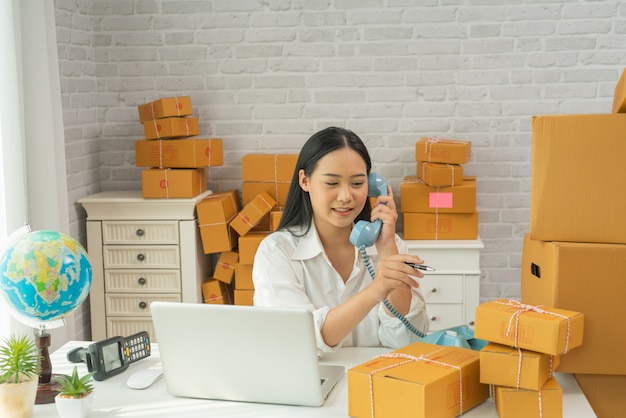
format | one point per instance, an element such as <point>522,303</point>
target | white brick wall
<point>265,74</point>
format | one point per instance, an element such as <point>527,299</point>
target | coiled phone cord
<point>386,302</point>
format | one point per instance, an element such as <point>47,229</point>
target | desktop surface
<point>112,398</point>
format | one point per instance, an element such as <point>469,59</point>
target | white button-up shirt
<point>293,271</point>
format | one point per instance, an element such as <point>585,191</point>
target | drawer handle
<point>433,318</point>
<point>142,305</point>
<point>471,323</point>
<point>141,281</point>
<point>140,232</point>
<point>433,290</point>
<point>141,257</point>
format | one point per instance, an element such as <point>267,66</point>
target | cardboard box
<point>542,329</point>
<point>606,393</point>
<point>578,177</point>
<point>171,183</point>
<point>165,107</point>
<point>619,97</point>
<point>225,267</point>
<point>500,365</point>
<point>440,226</point>
<point>244,297</point>
<point>438,174</point>
<point>243,277</point>
<point>524,403</point>
<point>179,153</point>
<point>248,245</point>
<point>278,191</point>
<point>435,150</point>
<point>171,127</point>
<point>416,196</point>
<point>419,380</point>
<point>252,213</point>
<point>216,292</point>
<point>214,214</point>
<point>583,277</point>
<point>268,167</point>
<point>275,217</point>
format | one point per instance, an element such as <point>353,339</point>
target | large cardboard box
<point>502,365</point>
<point>243,277</point>
<point>165,107</point>
<point>416,196</point>
<point>244,297</point>
<point>606,393</point>
<point>542,329</point>
<point>214,214</point>
<point>171,183</point>
<point>171,127</point>
<point>524,403</point>
<point>179,153</point>
<point>417,381</point>
<point>588,278</point>
<point>248,245</point>
<point>619,97</point>
<point>252,213</point>
<point>578,178</point>
<point>278,191</point>
<point>440,226</point>
<point>225,267</point>
<point>437,174</point>
<point>436,150</point>
<point>268,167</point>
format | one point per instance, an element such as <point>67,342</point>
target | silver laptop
<point>241,353</point>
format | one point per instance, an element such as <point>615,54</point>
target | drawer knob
<point>141,257</point>
<point>142,305</point>
<point>433,290</point>
<point>471,322</point>
<point>140,232</point>
<point>433,318</point>
<point>141,281</point>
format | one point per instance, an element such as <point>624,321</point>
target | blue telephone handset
<point>365,233</point>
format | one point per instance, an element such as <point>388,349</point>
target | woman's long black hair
<point>298,210</point>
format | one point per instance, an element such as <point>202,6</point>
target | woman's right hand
<point>393,272</point>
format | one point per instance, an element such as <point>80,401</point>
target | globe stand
<point>47,389</point>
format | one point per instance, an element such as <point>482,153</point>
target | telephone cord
<point>386,302</point>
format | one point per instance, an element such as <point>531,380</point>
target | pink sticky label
<point>440,200</point>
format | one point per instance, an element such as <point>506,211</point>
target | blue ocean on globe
<point>44,276</point>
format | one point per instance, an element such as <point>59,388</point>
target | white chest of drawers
<point>452,291</point>
<point>141,250</point>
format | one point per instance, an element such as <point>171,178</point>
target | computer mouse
<point>142,379</point>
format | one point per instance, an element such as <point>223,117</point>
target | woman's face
<point>337,188</point>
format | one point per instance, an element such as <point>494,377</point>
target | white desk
<point>114,399</point>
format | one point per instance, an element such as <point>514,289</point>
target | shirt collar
<point>309,245</point>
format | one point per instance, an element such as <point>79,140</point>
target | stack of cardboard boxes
<point>439,202</point>
<point>575,254</point>
<point>177,162</point>
<point>235,230</point>
<point>524,347</point>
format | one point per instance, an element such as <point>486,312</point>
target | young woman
<point>309,262</point>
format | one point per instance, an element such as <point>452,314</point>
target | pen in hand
<point>420,267</point>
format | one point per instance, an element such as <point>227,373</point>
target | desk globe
<point>44,276</point>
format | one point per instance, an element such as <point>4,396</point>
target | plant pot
<point>72,407</point>
<point>18,399</point>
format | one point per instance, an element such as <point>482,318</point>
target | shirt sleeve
<point>277,284</point>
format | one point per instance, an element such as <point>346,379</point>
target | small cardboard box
<point>225,267</point>
<point>171,128</point>
<point>554,274</point>
<point>244,297</point>
<point>572,204</point>
<point>165,107</point>
<point>416,196</point>
<point>440,226</point>
<point>179,153</point>
<point>252,213</point>
<point>418,381</point>
<point>619,97</point>
<point>214,214</point>
<point>171,183</point>
<point>542,329</point>
<point>438,174</point>
<point>216,292</point>
<point>524,403</point>
<point>243,277</point>
<point>278,191</point>
<point>450,151</point>
<point>606,393</point>
<point>268,167</point>
<point>501,365</point>
<point>275,217</point>
<point>248,245</point>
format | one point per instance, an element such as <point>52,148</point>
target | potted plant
<point>19,376</point>
<point>75,396</point>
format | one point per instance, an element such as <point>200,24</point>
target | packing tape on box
<point>408,358</point>
<point>522,308</point>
